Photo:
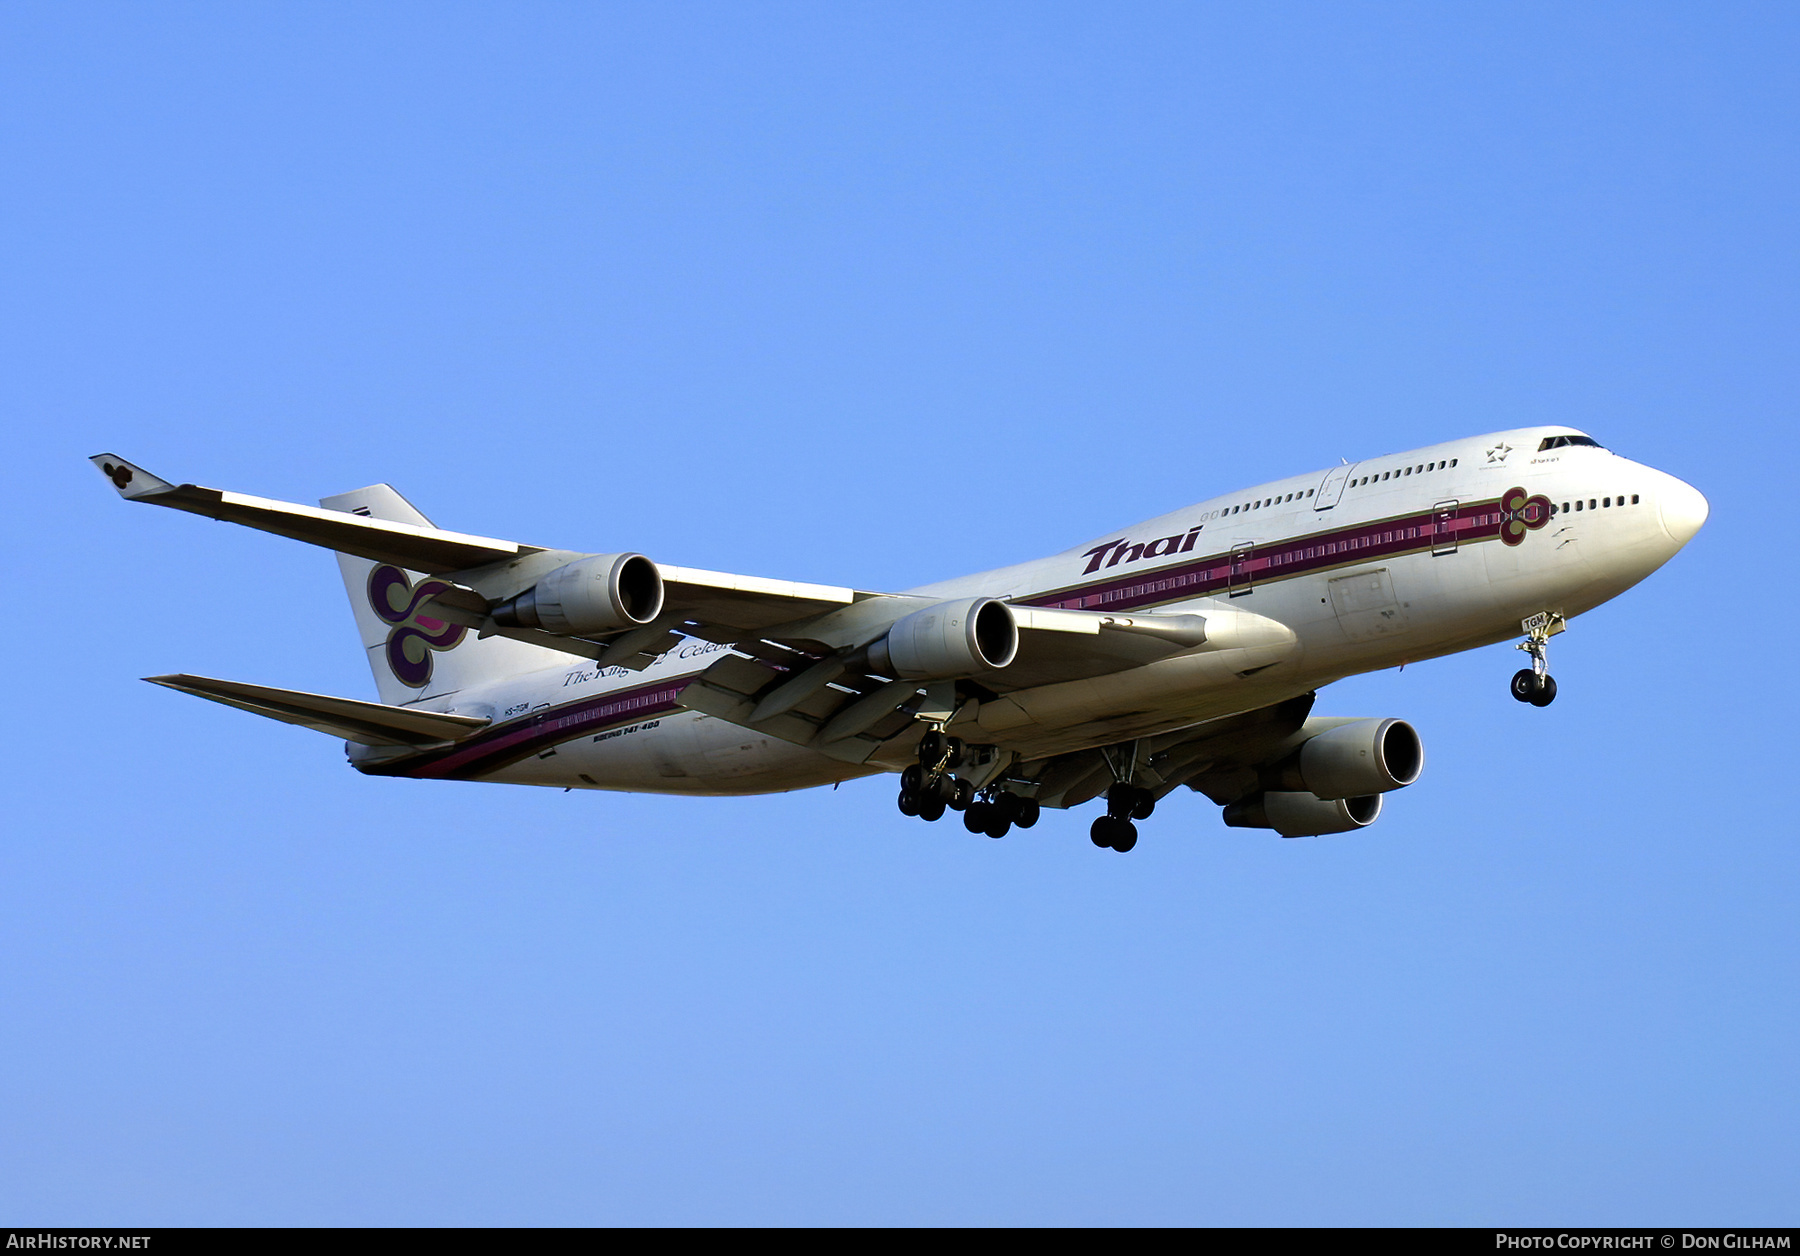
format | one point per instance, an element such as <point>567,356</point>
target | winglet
<point>131,481</point>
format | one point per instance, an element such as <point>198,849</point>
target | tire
<point>1545,696</point>
<point>931,809</point>
<point>975,817</point>
<point>957,751</point>
<point>909,802</point>
<point>1028,813</point>
<point>942,790</point>
<point>1120,799</point>
<point>913,778</point>
<point>1525,684</point>
<point>1126,838</point>
<point>965,796</point>
<point>1100,833</point>
<point>1144,807</point>
<point>931,747</point>
<point>997,826</point>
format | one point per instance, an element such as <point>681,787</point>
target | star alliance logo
<point>1498,452</point>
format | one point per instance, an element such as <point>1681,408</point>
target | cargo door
<point>1365,605</point>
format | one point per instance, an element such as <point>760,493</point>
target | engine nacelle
<point>1302,814</point>
<point>949,640</point>
<point>600,594</point>
<point>1362,757</point>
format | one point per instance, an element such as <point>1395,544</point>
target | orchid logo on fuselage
<point>414,636</point>
<point>1520,514</point>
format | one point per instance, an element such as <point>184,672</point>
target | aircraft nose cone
<point>1683,510</point>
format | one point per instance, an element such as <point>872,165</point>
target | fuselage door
<point>1332,487</point>
<point>1240,579</point>
<point>1443,527</point>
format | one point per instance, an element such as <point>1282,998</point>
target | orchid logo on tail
<point>414,636</point>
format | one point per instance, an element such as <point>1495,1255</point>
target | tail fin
<point>415,656</point>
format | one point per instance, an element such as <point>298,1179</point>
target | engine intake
<point>1362,757</point>
<point>949,640</point>
<point>1302,814</point>
<point>600,594</point>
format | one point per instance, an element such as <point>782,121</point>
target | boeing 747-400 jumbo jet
<point>1185,650</point>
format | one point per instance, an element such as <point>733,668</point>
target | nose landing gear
<point>1534,684</point>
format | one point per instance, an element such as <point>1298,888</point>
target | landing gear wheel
<point>965,796</point>
<point>1145,805</point>
<point>997,825</point>
<point>1114,831</point>
<point>975,817</point>
<point>943,790</point>
<point>1546,693</point>
<point>938,750</point>
<point>910,781</point>
<point>931,747</point>
<point>1525,685</point>
<point>931,808</point>
<point>1028,813</point>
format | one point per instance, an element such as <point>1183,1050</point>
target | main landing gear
<point>928,789</point>
<point>1535,684</point>
<point>1124,803</point>
<point>998,810</point>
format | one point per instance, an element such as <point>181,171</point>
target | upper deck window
<point>1559,442</point>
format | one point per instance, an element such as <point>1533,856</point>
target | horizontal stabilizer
<point>405,545</point>
<point>371,723</point>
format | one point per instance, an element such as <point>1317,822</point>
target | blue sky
<point>876,294</point>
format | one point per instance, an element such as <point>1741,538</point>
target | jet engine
<point>1362,757</point>
<point>949,640</point>
<point>1303,814</point>
<point>600,594</point>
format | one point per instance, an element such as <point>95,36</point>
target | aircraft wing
<point>430,550</point>
<point>1219,758</point>
<point>371,723</point>
<point>716,606</point>
<point>805,692</point>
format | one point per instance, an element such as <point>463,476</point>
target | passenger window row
<point>1421,469</point>
<point>1278,500</point>
<point>1591,504</point>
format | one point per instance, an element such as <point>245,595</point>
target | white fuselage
<point>1370,566</point>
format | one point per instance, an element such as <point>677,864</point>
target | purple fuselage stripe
<point>1259,563</point>
<point>496,747</point>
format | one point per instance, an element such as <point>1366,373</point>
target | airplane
<point>1186,650</point>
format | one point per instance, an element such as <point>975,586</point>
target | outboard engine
<point>604,593</point>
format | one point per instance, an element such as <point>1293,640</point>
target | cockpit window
<point>1558,442</point>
